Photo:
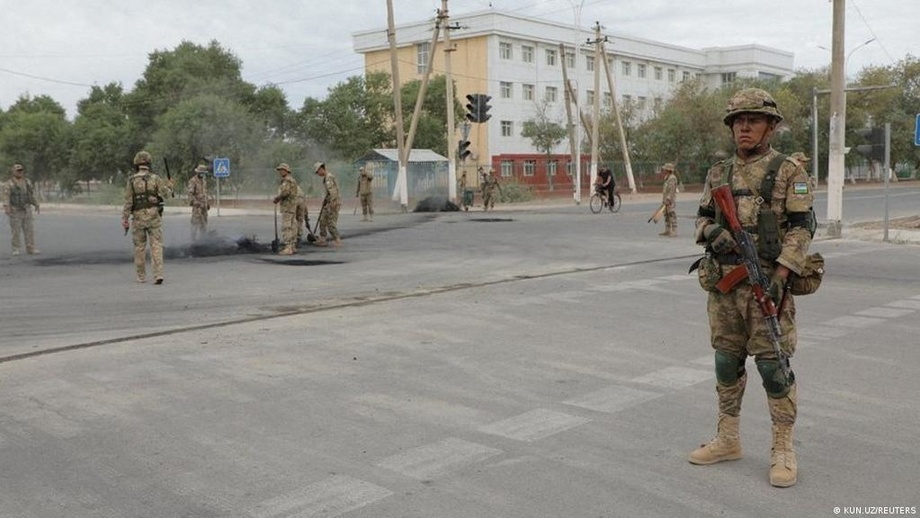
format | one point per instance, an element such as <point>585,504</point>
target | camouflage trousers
<point>367,204</point>
<point>303,219</point>
<point>143,232</point>
<point>329,219</point>
<point>199,223</point>
<point>488,200</point>
<point>21,226</point>
<point>289,228</point>
<point>738,328</point>
<point>670,218</point>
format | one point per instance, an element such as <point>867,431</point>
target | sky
<point>61,49</point>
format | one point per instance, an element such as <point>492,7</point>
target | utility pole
<point>401,181</point>
<point>571,126</point>
<point>444,17</point>
<point>616,113</point>
<point>596,108</point>
<point>837,130</point>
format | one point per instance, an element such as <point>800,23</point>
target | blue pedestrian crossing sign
<point>221,167</point>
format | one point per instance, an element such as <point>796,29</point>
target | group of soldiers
<point>488,184</point>
<point>292,204</point>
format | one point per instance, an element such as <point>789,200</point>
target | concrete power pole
<point>835,163</point>
<point>596,108</point>
<point>571,126</point>
<point>451,141</point>
<point>616,113</point>
<point>401,191</point>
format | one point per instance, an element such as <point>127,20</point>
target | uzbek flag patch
<point>800,187</point>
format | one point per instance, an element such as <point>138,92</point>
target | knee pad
<point>729,368</point>
<point>776,385</point>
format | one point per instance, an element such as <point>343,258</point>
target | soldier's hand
<point>276,199</point>
<point>719,238</point>
<point>776,289</point>
<point>125,225</point>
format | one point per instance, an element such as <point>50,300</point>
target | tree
<point>432,125</point>
<point>36,134</point>
<point>544,133</point>
<point>104,139</point>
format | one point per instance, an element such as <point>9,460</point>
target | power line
<point>872,32</point>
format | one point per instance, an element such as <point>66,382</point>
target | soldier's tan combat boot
<point>288,250</point>
<point>783,468</point>
<point>726,445</point>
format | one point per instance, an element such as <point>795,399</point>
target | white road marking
<point>612,399</point>
<point>884,312</point>
<point>332,497</point>
<point>674,377</point>
<point>853,321</point>
<point>534,425</point>
<point>912,304</point>
<point>437,459</point>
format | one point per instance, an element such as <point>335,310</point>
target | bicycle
<point>599,201</point>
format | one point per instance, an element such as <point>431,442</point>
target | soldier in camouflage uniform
<point>303,218</point>
<point>365,193</point>
<point>782,224</point>
<point>329,217</point>
<point>489,186</point>
<point>669,199</point>
<point>144,195</point>
<point>198,200</point>
<point>19,197</point>
<point>289,197</point>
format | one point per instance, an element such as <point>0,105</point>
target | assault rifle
<point>760,283</point>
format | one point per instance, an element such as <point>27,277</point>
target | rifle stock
<point>760,283</point>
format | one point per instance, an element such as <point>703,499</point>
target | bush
<point>514,192</point>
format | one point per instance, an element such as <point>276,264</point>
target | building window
<point>530,167</point>
<point>506,90</point>
<point>551,93</point>
<point>421,53</point>
<point>640,103</point>
<point>607,99</point>
<point>728,78</point>
<point>685,76</point>
<point>570,169</point>
<point>551,167</point>
<point>507,128</point>
<point>504,50</point>
<point>640,71</point>
<point>527,54</point>
<point>672,75</point>
<point>551,57</point>
<point>659,73</point>
<point>527,92</point>
<point>590,98</point>
<point>570,60</point>
<point>627,68</point>
<point>658,102</point>
<point>589,63</point>
<point>507,168</point>
<point>627,99</point>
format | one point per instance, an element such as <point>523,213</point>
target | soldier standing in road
<point>289,197</point>
<point>669,200</point>
<point>19,197</point>
<point>365,193</point>
<point>144,195</point>
<point>489,187</point>
<point>198,199</point>
<point>329,216</point>
<point>773,196</point>
<point>303,218</point>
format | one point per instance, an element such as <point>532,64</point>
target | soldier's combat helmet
<point>751,100</point>
<point>143,158</point>
<point>669,167</point>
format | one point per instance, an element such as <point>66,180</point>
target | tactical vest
<point>141,199</point>
<point>20,196</point>
<point>769,234</point>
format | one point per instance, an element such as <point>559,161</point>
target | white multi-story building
<point>518,61</point>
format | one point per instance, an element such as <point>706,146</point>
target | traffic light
<point>874,148</point>
<point>478,107</point>
<point>464,150</point>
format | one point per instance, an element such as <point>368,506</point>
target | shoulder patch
<point>800,187</point>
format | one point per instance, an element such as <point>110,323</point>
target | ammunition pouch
<point>709,272</point>
<point>810,279</point>
<point>769,244</point>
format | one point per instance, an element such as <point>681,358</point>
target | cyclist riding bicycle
<point>605,184</point>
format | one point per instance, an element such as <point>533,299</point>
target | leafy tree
<point>36,134</point>
<point>104,140</point>
<point>544,133</point>
<point>432,125</point>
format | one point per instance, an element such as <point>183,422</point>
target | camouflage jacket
<point>198,192</point>
<point>365,183</point>
<point>19,194</point>
<point>791,200</point>
<point>289,194</point>
<point>332,188</point>
<point>144,193</point>
<point>669,189</point>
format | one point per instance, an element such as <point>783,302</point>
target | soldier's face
<point>750,130</point>
<point>18,173</point>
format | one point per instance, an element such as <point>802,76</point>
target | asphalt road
<point>530,362</point>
